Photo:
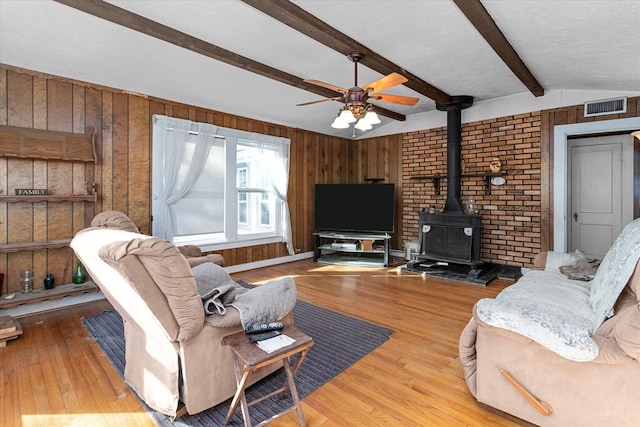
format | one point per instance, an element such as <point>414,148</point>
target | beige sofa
<point>173,350</point>
<point>570,380</point>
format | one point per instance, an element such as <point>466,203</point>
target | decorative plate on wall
<point>498,180</point>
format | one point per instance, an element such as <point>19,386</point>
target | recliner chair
<point>173,350</point>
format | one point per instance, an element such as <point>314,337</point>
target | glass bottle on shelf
<point>79,275</point>
<point>471,206</point>
<point>49,281</point>
<point>26,281</point>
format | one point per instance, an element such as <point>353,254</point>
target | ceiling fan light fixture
<point>372,118</point>
<point>363,124</point>
<point>350,114</point>
<point>347,116</point>
<point>338,123</point>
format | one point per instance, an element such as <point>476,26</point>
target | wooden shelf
<point>23,144</point>
<point>37,144</point>
<point>328,247</point>
<point>26,143</point>
<point>436,178</point>
<point>34,246</point>
<point>373,180</point>
<point>91,198</point>
<point>40,295</point>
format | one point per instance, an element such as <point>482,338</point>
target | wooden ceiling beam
<point>309,25</point>
<point>486,26</point>
<point>127,19</point>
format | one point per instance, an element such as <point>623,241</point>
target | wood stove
<point>451,236</point>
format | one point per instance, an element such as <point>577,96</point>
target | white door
<point>601,192</point>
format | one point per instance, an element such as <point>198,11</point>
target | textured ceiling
<point>587,46</point>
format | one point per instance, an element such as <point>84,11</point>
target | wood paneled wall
<point>123,126</point>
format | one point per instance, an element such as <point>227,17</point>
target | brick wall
<point>511,213</point>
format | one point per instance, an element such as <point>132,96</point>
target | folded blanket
<point>215,287</point>
<point>266,303</point>
<point>222,295</point>
<point>263,304</point>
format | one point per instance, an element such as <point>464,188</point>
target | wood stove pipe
<point>454,137</point>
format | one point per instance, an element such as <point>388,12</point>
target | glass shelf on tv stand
<point>352,253</point>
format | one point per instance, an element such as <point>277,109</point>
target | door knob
<point>575,216</point>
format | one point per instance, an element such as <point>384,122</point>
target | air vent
<point>606,106</point>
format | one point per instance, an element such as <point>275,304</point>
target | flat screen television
<point>355,207</point>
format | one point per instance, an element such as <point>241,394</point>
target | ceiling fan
<point>356,99</point>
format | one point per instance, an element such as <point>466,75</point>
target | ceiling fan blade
<point>394,99</point>
<point>337,98</point>
<point>327,85</point>
<point>385,82</point>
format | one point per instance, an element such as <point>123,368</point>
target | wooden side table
<point>248,358</point>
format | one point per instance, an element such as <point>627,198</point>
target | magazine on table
<point>276,343</point>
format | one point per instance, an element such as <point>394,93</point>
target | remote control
<point>264,327</point>
<point>263,336</point>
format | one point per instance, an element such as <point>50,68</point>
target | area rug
<point>340,341</point>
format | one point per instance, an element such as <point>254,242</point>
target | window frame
<point>232,237</point>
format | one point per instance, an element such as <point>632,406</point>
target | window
<point>242,197</point>
<point>242,177</point>
<point>255,163</point>
<point>217,187</point>
<point>243,218</point>
<point>265,210</point>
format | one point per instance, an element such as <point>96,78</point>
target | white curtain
<point>279,176</point>
<point>170,137</point>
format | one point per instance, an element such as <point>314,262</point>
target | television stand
<point>363,249</point>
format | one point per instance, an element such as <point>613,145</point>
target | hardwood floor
<point>54,374</point>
